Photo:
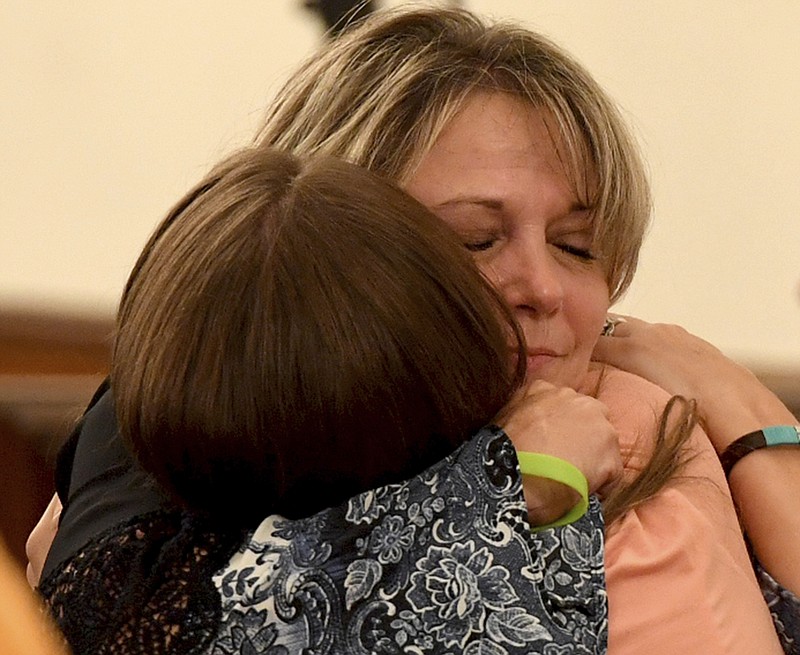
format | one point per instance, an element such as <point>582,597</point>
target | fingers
<point>667,355</point>
<point>612,322</point>
<point>730,399</point>
<point>40,539</point>
<point>620,346</point>
<point>563,423</point>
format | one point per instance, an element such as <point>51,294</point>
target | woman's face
<point>495,177</point>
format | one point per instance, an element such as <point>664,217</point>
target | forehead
<point>500,146</point>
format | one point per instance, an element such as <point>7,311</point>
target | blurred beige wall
<point>109,110</point>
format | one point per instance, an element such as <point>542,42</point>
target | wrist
<point>539,465</point>
<point>547,500</point>
<point>728,420</point>
<point>765,438</point>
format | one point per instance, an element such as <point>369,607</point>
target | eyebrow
<point>496,204</point>
<point>489,203</point>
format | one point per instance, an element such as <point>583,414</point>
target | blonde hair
<point>381,93</point>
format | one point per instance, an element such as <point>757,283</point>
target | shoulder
<point>635,407</point>
<point>680,580</point>
<point>628,397</point>
<point>682,543</point>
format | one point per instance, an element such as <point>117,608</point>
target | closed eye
<point>580,253</point>
<point>480,246</point>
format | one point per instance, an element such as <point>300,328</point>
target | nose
<point>530,279</point>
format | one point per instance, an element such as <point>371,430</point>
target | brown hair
<point>675,427</point>
<point>300,330</point>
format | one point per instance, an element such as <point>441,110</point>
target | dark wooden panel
<point>26,485</point>
<point>40,343</point>
<point>49,367</point>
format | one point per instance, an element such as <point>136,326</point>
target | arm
<point>464,575</point>
<point>731,402</point>
<point>561,422</point>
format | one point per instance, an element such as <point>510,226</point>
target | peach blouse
<point>679,577</point>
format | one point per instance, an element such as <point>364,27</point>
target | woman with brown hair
<point>299,340</point>
<point>514,145</point>
<point>297,332</point>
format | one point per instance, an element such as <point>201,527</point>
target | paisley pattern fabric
<point>444,563</point>
<point>785,609</point>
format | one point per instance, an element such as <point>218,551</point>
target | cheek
<point>586,309</point>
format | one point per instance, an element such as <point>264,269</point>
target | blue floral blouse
<point>443,563</point>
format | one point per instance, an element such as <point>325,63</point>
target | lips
<point>534,353</point>
<point>539,360</point>
<point>541,352</point>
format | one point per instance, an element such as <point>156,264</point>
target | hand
<point>561,422</point>
<point>40,540</point>
<point>731,400</point>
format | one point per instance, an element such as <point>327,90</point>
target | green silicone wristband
<point>555,468</point>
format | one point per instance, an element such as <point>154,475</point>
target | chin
<point>556,371</point>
